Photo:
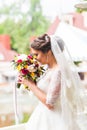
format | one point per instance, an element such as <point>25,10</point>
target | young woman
<point>56,90</point>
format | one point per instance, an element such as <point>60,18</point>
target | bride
<point>58,90</point>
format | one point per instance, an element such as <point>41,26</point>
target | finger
<point>20,81</point>
<point>19,76</point>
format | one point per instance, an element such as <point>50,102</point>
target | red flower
<point>38,75</point>
<point>30,57</point>
<point>24,71</point>
<point>36,65</point>
<point>28,66</point>
<point>19,61</point>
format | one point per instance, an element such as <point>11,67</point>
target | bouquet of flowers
<point>29,67</point>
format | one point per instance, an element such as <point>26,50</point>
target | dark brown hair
<point>42,43</point>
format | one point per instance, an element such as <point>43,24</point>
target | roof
<point>77,21</point>
<point>53,26</point>
<point>75,40</point>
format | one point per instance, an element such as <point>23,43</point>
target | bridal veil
<point>72,90</point>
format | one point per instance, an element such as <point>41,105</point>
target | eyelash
<point>36,54</point>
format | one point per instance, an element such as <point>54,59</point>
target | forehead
<point>33,51</point>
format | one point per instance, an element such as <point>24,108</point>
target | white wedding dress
<point>44,118</point>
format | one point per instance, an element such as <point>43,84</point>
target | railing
<point>14,127</point>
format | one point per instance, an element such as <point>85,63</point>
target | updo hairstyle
<point>43,43</point>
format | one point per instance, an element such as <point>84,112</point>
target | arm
<point>40,94</point>
<point>54,89</point>
<point>51,96</point>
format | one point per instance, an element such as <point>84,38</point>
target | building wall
<point>5,41</point>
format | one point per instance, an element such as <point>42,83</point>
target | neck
<point>52,63</point>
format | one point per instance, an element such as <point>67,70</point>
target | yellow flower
<point>26,66</point>
<point>18,67</point>
<point>32,74</point>
<point>25,87</point>
<point>34,56</point>
<point>33,60</point>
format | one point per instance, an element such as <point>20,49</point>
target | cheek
<point>41,58</point>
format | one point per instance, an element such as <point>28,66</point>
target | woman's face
<point>40,56</point>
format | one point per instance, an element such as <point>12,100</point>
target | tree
<point>80,7</point>
<point>21,24</point>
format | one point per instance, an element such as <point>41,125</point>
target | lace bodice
<point>50,83</point>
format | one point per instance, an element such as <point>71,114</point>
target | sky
<point>51,8</point>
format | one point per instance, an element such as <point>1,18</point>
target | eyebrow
<point>34,54</point>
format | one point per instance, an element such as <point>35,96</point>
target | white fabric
<point>63,87</point>
<point>43,118</point>
<point>54,89</point>
<point>72,101</point>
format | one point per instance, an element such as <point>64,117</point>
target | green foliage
<point>25,118</point>
<point>80,10</point>
<point>77,63</point>
<point>31,23</point>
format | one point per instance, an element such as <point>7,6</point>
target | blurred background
<point>20,22</point>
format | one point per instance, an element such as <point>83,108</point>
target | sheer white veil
<point>72,100</point>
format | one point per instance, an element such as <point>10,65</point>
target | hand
<point>26,82</point>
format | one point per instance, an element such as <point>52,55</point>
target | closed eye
<point>35,54</point>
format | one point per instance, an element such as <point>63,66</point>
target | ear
<point>49,52</point>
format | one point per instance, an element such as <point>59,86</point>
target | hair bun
<point>42,43</point>
<point>47,38</point>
